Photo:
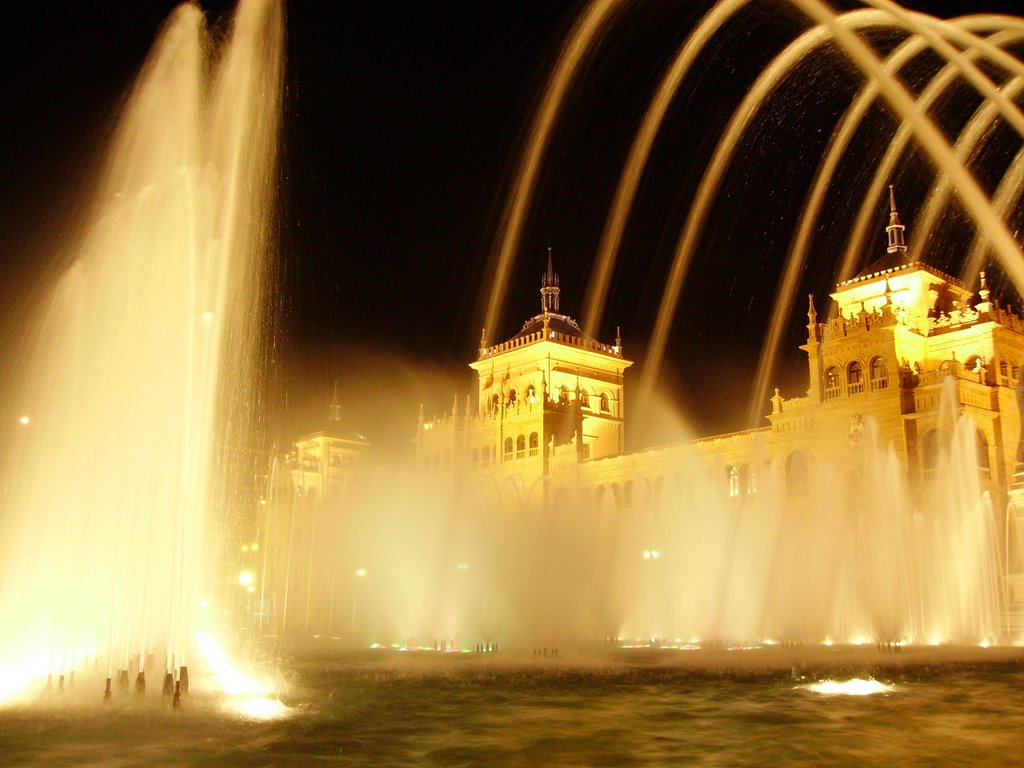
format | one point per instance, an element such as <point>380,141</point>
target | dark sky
<point>402,127</point>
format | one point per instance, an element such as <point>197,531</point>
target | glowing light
<point>247,696</point>
<point>984,644</point>
<point>858,641</point>
<point>651,554</point>
<point>827,641</point>
<point>854,687</point>
<point>463,567</point>
<point>24,420</point>
<point>260,708</point>
<point>245,578</point>
<point>360,572</point>
<point>15,683</point>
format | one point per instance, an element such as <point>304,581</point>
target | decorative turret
<point>895,229</point>
<point>813,329</point>
<point>334,409</point>
<point>984,293</point>
<point>549,289</point>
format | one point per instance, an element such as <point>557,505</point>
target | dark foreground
<point>623,708</point>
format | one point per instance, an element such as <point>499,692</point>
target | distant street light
<point>360,573</point>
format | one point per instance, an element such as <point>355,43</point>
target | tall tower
<point>550,395</point>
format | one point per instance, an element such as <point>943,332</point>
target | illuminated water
<point>141,370</point>
<point>423,560</point>
<point>365,709</point>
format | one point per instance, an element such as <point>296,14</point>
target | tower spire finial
<point>895,230</point>
<point>334,409</point>
<point>549,288</point>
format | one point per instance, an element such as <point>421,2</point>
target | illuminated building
<point>548,423</point>
<point>305,528</point>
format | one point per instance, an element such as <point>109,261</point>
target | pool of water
<point>380,709</point>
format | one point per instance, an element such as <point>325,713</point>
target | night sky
<point>402,130</point>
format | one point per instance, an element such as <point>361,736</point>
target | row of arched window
<point>743,479</point>
<point>512,448</point>
<point>854,380</point>
<point>565,396</point>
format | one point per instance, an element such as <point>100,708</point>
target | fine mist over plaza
<point>698,358</point>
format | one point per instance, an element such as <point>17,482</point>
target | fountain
<point>533,547</point>
<point>530,545</point>
<point>178,228</point>
<point>134,452</point>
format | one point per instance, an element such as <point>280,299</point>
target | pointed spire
<point>984,293</point>
<point>549,288</point>
<point>895,230</point>
<point>813,329</point>
<point>334,409</point>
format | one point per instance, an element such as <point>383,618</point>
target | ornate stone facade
<point>547,425</point>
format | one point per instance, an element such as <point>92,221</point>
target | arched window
<point>748,480</point>
<point>855,378</point>
<point>798,474</point>
<point>534,443</point>
<point>732,477</point>
<point>521,447</point>
<point>833,384</point>
<point>584,398</point>
<point>511,397</point>
<point>644,497</point>
<point>984,467</point>
<point>605,404</point>
<point>508,449</point>
<point>531,393</point>
<point>494,402</point>
<point>879,374</point>
<point>932,443</point>
<point>563,395</point>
